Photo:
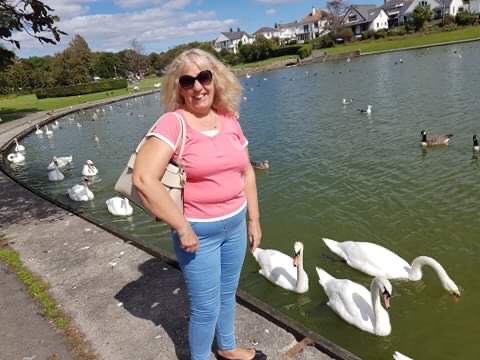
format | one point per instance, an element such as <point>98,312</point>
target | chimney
<point>238,29</point>
<point>314,11</point>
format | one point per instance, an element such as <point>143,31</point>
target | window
<point>423,3</point>
<point>378,25</point>
<point>352,17</point>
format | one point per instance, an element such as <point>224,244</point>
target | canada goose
<point>261,165</point>
<point>476,147</point>
<point>368,110</point>
<point>434,139</point>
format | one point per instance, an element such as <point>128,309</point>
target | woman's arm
<point>254,229</point>
<point>150,165</point>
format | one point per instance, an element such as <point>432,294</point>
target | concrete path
<point>127,304</point>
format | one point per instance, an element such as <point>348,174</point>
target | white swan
<point>89,169</point>
<point>38,132</point>
<point>358,306</point>
<point>282,270</point>
<point>347,101</point>
<point>55,125</point>
<point>119,207</point>
<point>60,162</point>
<point>18,147</point>
<point>55,175</point>
<point>48,132</point>
<point>400,356</point>
<point>16,157</point>
<point>375,260</point>
<point>81,192</point>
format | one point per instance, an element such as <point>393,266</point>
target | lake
<point>336,173</point>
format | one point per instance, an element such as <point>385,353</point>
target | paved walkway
<point>127,304</point>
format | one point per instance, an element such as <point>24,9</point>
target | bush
<point>380,34</point>
<point>448,20</point>
<point>368,34</point>
<point>81,89</point>
<point>286,50</point>
<point>398,31</point>
<point>346,34</point>
<point>323,42</point>
<point>464,18</point>
<point>305,51</point>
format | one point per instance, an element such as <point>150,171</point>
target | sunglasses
<point>188,82</point>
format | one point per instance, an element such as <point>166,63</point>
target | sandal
<point>259,355</point>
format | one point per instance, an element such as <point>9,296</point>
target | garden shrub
<point>380,34</point>
<point>305,51</point>
<point>464,18</point>
<point>81,89</point>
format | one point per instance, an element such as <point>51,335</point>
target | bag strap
<point>181,137</point>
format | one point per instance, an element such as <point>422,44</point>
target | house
<point>287,32</point>
<point>362,18</point>
<point>313,25</point>
<point>267,32</point>
<point>399,11</point>
<point>231,40</point>
<point>474,6</point>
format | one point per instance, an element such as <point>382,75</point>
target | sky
<point>111,25</point>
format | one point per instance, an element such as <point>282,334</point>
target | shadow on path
<point>152,297</point>
<point>20,206</point>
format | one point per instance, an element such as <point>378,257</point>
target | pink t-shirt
<point>214,166</point>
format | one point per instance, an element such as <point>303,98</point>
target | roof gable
<point>235,35</point>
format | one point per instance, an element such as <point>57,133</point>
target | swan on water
<point>358,306</point>
<point>60,162</point>
<point>375,260</point>
<point>48,132</point>
<point>16,157</point>
<point>38,132</point>
<point>89,169</point>
<point>80,192</point>
<point>400,356</point>
<point>282,270</point>
<point>119,207</point>
<point>347,101</point>
<point>18,147</point>
<point>55,174</point>
<point>368,110</point>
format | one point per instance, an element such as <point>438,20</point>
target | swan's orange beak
<point>386,300</point>
<point>295,260</point>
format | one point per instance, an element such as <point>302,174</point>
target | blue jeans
<point>211,275</point>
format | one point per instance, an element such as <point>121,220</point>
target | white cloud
<point>66,9</point>
<point>167,4</point>
<point>270,12</point>
<point>154,27</point>
<point>276,2</point>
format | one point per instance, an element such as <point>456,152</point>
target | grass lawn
<point>399,42</point>
<point>14,107</point>
<point>264,62</point>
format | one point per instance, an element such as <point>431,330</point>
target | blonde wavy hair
<point>227,87</point>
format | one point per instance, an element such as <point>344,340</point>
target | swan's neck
<point>379,317</point>
<point>416,274</point>
<point>302,281</point>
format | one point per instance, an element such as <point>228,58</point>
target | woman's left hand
<point>254,233</point>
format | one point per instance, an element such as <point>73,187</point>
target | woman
<point>210,237</point>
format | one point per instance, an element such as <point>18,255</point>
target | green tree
<point>31,16</point>
<point>421,14</point>
<point>106,65</point>
<point>78,58</point>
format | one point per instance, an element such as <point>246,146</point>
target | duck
<point>18,147</point>
<point>368,110</point>
<point>16,157</point>
<point>358,306</point>
<point>48,132</point>
<point>399,356</point>
<point>89,169</point>
<point>261,165</point>
<point>281,270</point>
<point>119,207</point>
<point>38,132</point>
<point>476,147</point>
<point>80,192</point>
<point>60,162</point>
<point>347,101</point>
<point>55,174</point>
<point>375,260</point>
<point>434,139</point>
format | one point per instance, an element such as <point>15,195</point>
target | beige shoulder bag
<point>173,180</point>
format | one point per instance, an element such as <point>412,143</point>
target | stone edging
<point>295,328</point>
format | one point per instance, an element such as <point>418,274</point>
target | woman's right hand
<point>188,238</point>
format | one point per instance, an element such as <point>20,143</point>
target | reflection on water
<point>335,173</point>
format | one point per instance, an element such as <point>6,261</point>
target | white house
<point>267,32</point>
<point>287,32</point>
<point>313,25</point>
<point>231,40</point>
<point>362,18</point>
<point>439,7</point>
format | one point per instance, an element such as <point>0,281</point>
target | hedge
<point>81,89</point>
<point>305,51</point>
<point>286,50</point>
